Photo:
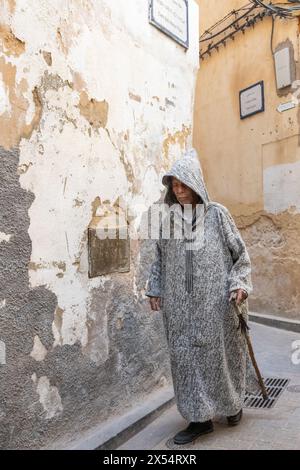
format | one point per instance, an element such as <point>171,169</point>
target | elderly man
<point>194,286</point>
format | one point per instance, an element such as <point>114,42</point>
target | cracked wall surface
<point>94,106</point>
<point>275,254</point>
<point>252,166</point>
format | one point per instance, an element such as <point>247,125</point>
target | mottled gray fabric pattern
<point>209,359</point>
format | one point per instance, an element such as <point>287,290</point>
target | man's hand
<point>239,295</point>
<point>155,303</point>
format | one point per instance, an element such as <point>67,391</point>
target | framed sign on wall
<point>252,100</point>
<point>172,18</point>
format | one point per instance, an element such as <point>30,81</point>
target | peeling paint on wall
<point>272,241</point>
<point>281,171</point>
<point>94,111</point>
<point>179,137</point>
<point>10,44</point>
<point>4,98</point>
<point>282,188</point>
<point>4,237</point>
<point>48,57</point>
<point>13,122</point>
<point>24,312</point>
<point>134,97</point>
<point>72,145</point>
<point>39,351</point>
<point>57,326</point>
<point>2,353</point>
<point>97,347</point>
<point>49,398</point>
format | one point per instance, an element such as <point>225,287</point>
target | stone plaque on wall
<point>109,254</point>
<point>171,17</point>
<point>252,100</point>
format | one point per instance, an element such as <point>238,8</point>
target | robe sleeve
<point>240,274</point>
<point>154,288</point>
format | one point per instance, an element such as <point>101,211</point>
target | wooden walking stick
<point>245,331</point>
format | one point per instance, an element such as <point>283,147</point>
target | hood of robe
<point>188,170</point>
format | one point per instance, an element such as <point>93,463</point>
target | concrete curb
<point>113,433</point>
<point>276,322</point>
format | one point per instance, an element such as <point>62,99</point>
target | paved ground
<point>275,428</point>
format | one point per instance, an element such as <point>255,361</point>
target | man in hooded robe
<point>193,285</point>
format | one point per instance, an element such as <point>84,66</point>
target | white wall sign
<point>171,17</point>
<point>286,106</point>
<point>283,68</point>
<point>252,100</point>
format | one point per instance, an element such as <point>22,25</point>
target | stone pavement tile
<point>225,442</point>
<point>228,434</point>
<point>258,429</point>
<point>289,428</point>
<point>162,428</point>
<point>249,427</point>
<point>273,348</point>
<point>264,445</point>
<point>274,428</point>
<point>261,428</point>
<point>292,421</point>
<point>273,445</point>
<point>203,443</point>
<point>250,434</point>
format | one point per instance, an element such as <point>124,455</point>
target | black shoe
<point>234,420</point>
<point>193,431</point>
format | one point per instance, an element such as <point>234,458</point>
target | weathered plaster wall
<point>95,103</point>
<point>252,165</point>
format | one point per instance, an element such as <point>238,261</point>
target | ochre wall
<point>252,166</point>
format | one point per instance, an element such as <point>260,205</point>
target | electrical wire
<point>231,24</point>
<point>272,35</point>
<point>241,19</point>
<point>276,8</point>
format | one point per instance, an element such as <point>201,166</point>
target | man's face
<point>183,193</point>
